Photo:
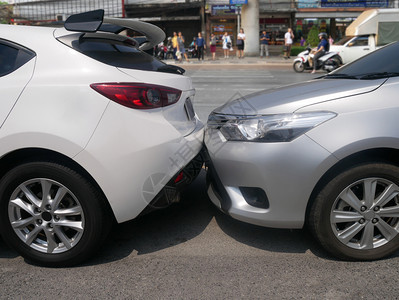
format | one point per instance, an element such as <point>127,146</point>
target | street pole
<point>238,12</point>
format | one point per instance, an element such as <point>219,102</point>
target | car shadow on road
<point>160,229</point>
<point>187,220</point>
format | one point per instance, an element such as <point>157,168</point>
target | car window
<point>116,53</point>
<point>343,41</point>
<point>12,57</point>
<point>359,41</point>
<point>383,62</point>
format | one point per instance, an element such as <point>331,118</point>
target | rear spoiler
<point>94,21</point>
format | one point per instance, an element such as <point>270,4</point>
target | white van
<point>372,29</point>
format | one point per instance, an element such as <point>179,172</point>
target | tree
<point>5,13</point>
<point>313,36</point>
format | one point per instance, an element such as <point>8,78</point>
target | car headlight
<point>267,128</point>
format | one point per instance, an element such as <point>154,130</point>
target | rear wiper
<point>378,75</point>
<point>171,69</point>
<point>340,76</point>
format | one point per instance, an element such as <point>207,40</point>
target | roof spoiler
<point>94,21</point>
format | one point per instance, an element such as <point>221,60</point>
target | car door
<point>16,69</point>
<point>356,48</point>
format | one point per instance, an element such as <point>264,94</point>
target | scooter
<point>328,62</point>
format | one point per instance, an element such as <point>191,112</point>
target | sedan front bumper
<point>282,174</point>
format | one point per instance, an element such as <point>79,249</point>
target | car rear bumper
<point>133,156</point>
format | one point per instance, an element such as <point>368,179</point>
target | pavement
<point>233,60</point>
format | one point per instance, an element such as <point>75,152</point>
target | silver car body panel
<point>293,97</point>
<point>289,172</point>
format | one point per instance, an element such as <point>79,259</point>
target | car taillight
<point>138,95</point>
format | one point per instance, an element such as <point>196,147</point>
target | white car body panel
<point>11,88</point>
<point>118,146</point>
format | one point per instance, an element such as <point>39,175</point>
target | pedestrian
<point>240,43</point>
<point>226,44</point>
<point>180,47</point>
<point>213,46</point>
<point>302,41</point>
<point>264,44</point>
<point>288,39</point>
<point>174,45</point>
<point>200,46</point>
<point>330,40</point>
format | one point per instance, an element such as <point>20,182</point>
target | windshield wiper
<point>340,76</point>
<point>171,69</point>
<point>378,75</point>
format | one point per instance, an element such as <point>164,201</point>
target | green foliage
<point>295,50</point>
<point>5,12</point>
<point>313,38</point>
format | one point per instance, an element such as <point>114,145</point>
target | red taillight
<point>138,95</point>
<point>179,177</point>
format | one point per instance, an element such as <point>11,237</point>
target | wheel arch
<point>381,155</point>
<point>21,156</point>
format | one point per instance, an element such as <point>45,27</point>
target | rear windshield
<point>115,53</point>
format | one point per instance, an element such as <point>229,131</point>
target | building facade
<point>213,16</point>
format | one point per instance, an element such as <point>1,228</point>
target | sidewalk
<point>233,60</point>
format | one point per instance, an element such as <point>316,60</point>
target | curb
<point>233,61</point>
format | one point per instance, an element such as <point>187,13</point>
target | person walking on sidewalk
<point>264,44</point>
<point>226,44</point>
<point>200,46</point>
<point>288,39</point>
<point>240,43</point>
<point>212,43</point>
<point>180,47</point>
<point>174,45</point>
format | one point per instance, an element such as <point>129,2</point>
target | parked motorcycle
<point>328,62</point>
<point>192,52</point>
<point>169,49</point>
<point>160,51</point>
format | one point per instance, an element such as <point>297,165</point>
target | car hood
<point>290,98</point>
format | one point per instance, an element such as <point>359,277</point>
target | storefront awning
<point>160,19</point>
<point>327,15</point>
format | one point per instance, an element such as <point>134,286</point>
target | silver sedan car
<point>324,153</point>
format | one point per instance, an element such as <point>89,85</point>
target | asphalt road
<point>192,251</point>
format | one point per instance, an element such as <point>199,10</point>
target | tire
<point>299,67</point>
<point>356,215</point>
<point>51,215</point>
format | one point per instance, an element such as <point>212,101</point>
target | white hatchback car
<point>91,129</point>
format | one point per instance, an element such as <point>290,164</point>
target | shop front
<point>331,16</point>
<point>275,27</point>
<point>223,18</point>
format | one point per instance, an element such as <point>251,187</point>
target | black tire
<point>362,230</point>
<point>298,66</point>
<point>65,232</point>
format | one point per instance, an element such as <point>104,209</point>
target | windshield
<point>382,63</point>
<point>343,40</point>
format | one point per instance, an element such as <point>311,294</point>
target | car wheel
<point>299,66</point>
<point>356,215</point>
<point>51,214</point>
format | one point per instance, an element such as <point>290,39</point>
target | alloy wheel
<point>46,215</point>
<point>365,215</point>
